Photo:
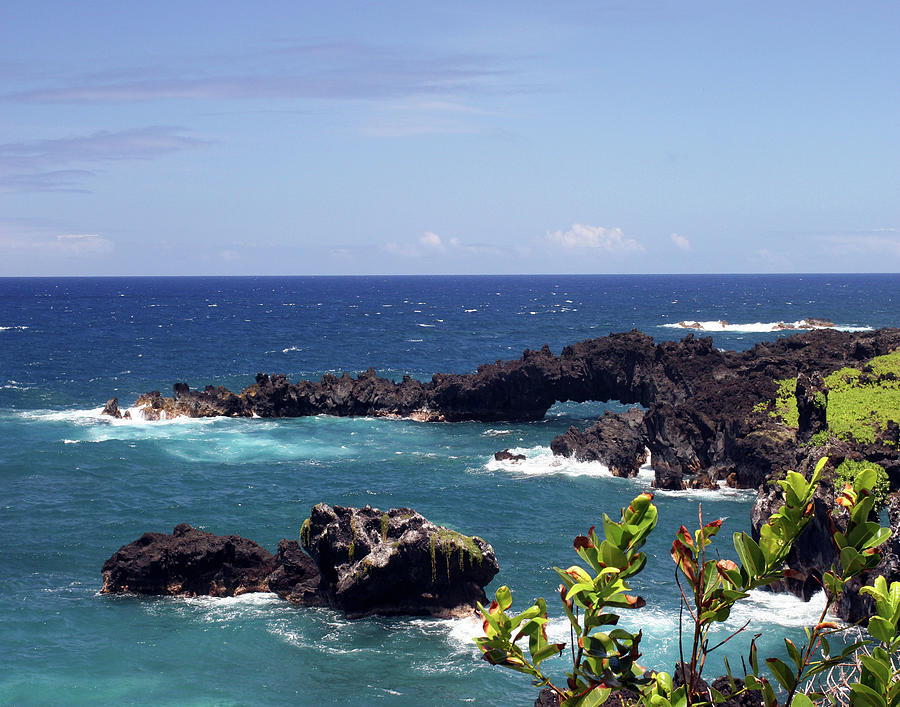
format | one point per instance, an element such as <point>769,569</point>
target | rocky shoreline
<point>699,420</point>
<point>706,416</point>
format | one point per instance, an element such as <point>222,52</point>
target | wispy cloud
<point>60,164</point>
<point>35,238</point>
<point>430,243</point>
<point>332,71</point>
<point>82,244</point>
<point>874,242</point>
<point>680,241</point>
<point>597,238</point>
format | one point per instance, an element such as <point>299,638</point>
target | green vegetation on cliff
<point>860,402</point>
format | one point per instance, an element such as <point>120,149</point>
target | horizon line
<point>434,275</point>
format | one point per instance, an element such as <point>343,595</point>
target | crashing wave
<point>806,324</point>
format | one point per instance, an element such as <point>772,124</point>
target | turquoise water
<point>76,486</point>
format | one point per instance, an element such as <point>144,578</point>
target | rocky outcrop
<point>812,404</point>
<point>700,402</point>
<point>616,441</point>
<point>112,409</point>
<point>189,562</point>
<point>361,560</point>
<point>296,577</point>
<point>504,455</point>
<point>396,562</point>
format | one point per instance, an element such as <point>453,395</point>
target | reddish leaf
<point>582,541</point>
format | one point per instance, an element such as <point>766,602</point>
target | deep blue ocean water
<point>75,487</point>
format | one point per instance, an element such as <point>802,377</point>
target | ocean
<point>76,487</point>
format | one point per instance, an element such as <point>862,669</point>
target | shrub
<point>604,659</point>
<point>848,472</point>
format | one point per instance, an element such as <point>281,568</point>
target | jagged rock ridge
<point>699,400</point>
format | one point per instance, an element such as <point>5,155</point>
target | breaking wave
<point>760,327</point>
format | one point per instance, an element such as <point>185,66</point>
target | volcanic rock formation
<point>396,562</point>
<point>616,441</point>
<point>361,560</point>
<point>189,562</point>
<point>699,400</point>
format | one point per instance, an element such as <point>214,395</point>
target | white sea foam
<point>220,609</point>
<point>723,493</point>
<point>542,461</point>
<point>291,348</point>
<point>495,433</point>
<point>756,327</point>
<point>780,609</point>
<point>13,328</point>
<point>94,416</point>
<point>458,633</point>
<point>428,326</point>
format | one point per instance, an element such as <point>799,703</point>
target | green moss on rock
<point>449,541</point>
<point>304,533</point>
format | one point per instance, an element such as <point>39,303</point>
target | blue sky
<point>638,136</point>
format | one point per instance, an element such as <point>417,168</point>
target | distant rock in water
<point>504,455</point>
<point>723,325</point>
<point>189,562</point>
<point>361,560</point>
<point>112,409</point>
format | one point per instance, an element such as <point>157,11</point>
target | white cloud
<point>433,240</point>
<point>430,243</point>
<point>681,242</point>
<point>582,236</point>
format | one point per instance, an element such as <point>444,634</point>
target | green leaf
<point>864,696</point>
<point>717,697</point>
<point>782,673</point>
<point>595,697</point>
<point>851,562</point>
<point>878,538</point>
<point>801,700</point>
<point>750,554</point>
<point>549,651</point>
<point>754,657</point>
<point>879,670</point>
<point>611,556</point>
<point>793,652</point>
<point>882,629</point>
<point>768,694</point>
<point>504,597</point>
<point>865,479</point>
<point>599,645</point>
